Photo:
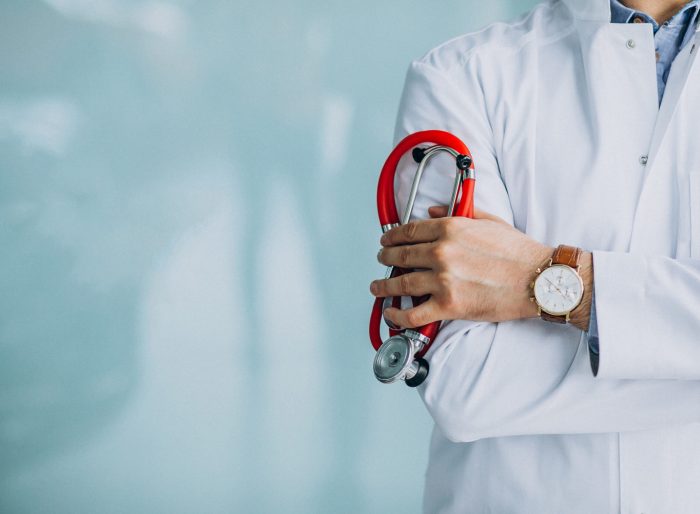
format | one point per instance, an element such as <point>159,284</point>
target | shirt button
<point>658,56</point>
<point>638,19</point>
<point>631,43</point>
<point>643,160</point>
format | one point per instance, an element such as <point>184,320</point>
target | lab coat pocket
<point>694,195</point>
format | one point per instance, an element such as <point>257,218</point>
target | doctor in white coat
<point>584,133</point>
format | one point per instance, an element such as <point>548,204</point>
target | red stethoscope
<point>401,356</point>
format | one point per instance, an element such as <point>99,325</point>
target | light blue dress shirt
<point>669,38</point>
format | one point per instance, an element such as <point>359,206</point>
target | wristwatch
<point>558,288</point>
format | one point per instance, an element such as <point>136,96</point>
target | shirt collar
<point>620,13</point>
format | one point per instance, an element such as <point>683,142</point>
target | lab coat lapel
<point>676,84</point>
<point>620,82</point>
<point>656,227</point>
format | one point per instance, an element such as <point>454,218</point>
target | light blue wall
<point>187,234</point>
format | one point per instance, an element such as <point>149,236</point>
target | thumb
<point>437,211</point>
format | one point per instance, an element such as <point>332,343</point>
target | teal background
<point>187,235</point>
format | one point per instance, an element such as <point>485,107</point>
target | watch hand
<point>554,286</point>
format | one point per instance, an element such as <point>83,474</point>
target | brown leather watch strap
<point>552,318</point>
<point>569,256</point>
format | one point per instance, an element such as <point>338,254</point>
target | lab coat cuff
<point>619,284</point>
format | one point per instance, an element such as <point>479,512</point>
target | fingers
<point>409,284</point>
<point>416,317</point>
<point>437,211</point>
<point>425,231</point>
<point>409,256</point>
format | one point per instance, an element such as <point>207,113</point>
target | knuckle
<point>453,225</point>
<point>446,228</point>
<point>404,256</point>
<point>444,281</point>
<point>404,285</point>
<point>445,253</point>
<point>437,253</point>
<point>410,231</point>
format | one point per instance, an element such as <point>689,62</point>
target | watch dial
<point>558,289</point>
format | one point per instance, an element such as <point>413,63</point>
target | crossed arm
<point>521,375</point>
<point>474,269</point>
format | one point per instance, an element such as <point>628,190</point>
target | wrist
<point>582,263</point>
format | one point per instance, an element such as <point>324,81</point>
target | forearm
<point>529,377</point>
<point>648,316</point>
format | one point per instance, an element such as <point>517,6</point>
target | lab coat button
<point>631,43</point>
<point>643,160</point>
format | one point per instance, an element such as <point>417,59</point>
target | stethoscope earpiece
<point>418,154</point>
<point>464,162</point>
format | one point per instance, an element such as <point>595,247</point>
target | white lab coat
<point>560,111</point>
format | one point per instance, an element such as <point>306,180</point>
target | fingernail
<point>373,287</point>
<point>383,239</point>
<point>379,254</point>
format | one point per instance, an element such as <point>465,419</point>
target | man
<point>582,119</point>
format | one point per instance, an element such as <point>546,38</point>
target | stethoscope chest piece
<point>395,360</point>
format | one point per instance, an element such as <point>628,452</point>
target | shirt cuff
<point>592,336</point>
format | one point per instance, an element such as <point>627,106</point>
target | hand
<point>475,269</point>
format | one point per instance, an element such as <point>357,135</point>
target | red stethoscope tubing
<point>388,215</point>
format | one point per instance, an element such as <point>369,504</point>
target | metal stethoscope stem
<point>400,357</point>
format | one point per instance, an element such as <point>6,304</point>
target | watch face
<point>558,289</point>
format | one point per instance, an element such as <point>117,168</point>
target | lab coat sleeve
<point>648,313</point>
<point>525,376</point>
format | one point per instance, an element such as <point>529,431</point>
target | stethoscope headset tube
<point>401,356</point>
